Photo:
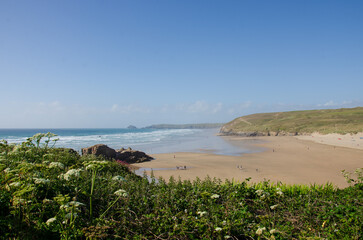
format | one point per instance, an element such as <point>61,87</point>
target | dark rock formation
<point>125,155</point>
<point>131,127</point>
<point>100,150</point>
<point>132,156</point>
<point>256,134</point>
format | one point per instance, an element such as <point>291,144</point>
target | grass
<point>52,193</point>
<point>349,120</point>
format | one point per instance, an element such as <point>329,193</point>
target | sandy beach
<point>291,160</point>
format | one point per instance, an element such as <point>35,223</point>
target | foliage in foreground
<point>52,193</point>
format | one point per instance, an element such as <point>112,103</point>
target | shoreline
<point>285,159</point>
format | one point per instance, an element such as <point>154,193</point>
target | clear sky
<point>111,63</point>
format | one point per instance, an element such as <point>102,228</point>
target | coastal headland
<point>291,160</point>
<point>298,147</point>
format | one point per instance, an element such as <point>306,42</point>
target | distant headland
<point>186,126</point>
<point>342,121</point>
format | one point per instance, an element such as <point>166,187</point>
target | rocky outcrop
<point>256,134</point>
<point>125,155</point>
<point>100,150</point>
<point>132,156</point>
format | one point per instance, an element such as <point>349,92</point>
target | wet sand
<point>286,159</point>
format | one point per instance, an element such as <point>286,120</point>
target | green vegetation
<point>186,126</point>
<point>52,193</point>
<point>349,120</point>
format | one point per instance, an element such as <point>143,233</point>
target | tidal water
<point>151,141</point>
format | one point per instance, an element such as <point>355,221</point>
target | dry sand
<point>347,140</point>
<point>286,159</point>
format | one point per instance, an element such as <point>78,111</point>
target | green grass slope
<point>345,120</point>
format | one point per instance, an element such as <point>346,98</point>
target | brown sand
<point>347,140</point>
<point>286,159</point>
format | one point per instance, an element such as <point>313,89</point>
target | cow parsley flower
<point>260,230</point>
<point>214,196</point>
<point>72,173</point>
<point>279,193</point>
<point>259,192</point>
<point>75,203</point>
<point>274,206</point>
<point>202,213</point>
<point>121,193</point>
<point>56,165</point>
<point>95,165</point>
<point>51,220</point>
<point>218,229</point>
<point>15,184</point>
<point>118,178</point>
<point>41,181</point>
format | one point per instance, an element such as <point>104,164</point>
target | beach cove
<point>287,159</point>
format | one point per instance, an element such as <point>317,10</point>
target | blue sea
<point>151,141</point>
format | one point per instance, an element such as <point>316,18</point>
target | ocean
<point>151,141</point>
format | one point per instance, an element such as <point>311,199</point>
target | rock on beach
<point>125,155</point>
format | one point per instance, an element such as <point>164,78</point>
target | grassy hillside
<point>345,120</point>
<point>50,193</point>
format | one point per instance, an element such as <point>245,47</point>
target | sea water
<point>151,141</point>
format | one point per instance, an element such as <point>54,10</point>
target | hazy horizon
<point>97,64</point>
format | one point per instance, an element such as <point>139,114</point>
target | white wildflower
<point>218,229</point>
<point>64,206</point>
<point>272,231</point>
<point>121,193</point>
<point>17,148</point>
<point>265,195</point>
<point>75,203</point>
<point>227,237</point>
<point>46,200</point>
<point>91,167</point>
<point>15,184</point>
<point>259,192</point>
<point>94,165</point>
<point>118,179</point>
<point>7,170</point>
<point>41,181</point>
<point>274,206</point>
<point>224,223</point>
<point>51,220</point>
<point>71,205</point>
<point>214,196</point>
<point>260,230</point>
<point>202,213</point>
<point>72,173</point>
<point>18,201</point>
<point>279,193</point>
<point>56,165</point>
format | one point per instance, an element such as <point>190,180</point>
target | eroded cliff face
<point>226,131</point>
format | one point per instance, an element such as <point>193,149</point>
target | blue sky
<point>115,63</point>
